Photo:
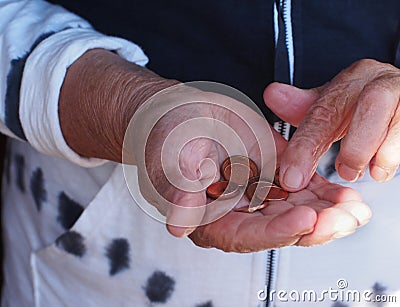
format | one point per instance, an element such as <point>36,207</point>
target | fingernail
<point>380,173</point>
<point>293,178</point>
<point>341,234</point>
<point>348,173</point>
<point>188,231</point>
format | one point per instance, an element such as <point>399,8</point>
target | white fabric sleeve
<point>38,42</point>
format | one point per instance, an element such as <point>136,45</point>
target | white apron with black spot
<point>75,237</point>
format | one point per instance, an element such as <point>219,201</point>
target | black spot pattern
<point>206,304</point>
<point>14,79</point>
<point>37,188</point>
<point>378,290</point>
<point>19,168</point>
<point>159,287</point>
<point>68,211</point>
<point>7,163</point>
<point>117,253</point>
<point>72,242</point>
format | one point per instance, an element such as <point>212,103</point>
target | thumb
<point>186,214</point>
<point>188,207</point>
<point>289,102</point>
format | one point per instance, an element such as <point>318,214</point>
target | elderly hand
<point>319,213</point>
<point>360,106</point>
<point>100,95</point>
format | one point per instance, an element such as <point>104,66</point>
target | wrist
<point>100,94</point>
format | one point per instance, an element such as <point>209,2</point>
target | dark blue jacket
<point>232,42</point>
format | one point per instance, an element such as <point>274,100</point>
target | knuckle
<point>365,63</point>
<point>385,78</point>
<point>358,68</point>
<point>369,65</point>
<point>378,86</point>
<point>321,115</point>
<point>373,72</point>
<point>308,145</point>
<point>377,97</point>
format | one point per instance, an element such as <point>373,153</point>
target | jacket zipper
<point>271,273</point>
<point>272,257</point>
<point>285,6</point>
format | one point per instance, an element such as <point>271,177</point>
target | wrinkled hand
<point>99,96</point>
<point>360,106</point>
<point>319,213</point>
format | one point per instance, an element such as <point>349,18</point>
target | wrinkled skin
<point>360,106</point>
<point>101,93</point>
<point>316,214</point>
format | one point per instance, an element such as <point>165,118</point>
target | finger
<point>288,228</point>
<point>386,161</point>
<point>332,223</point>
<point>325,122</point>
<point>289,102</point>
<point>186,213</point>
<point>334,193</point>
<point>359,210</point>
<point>187,207</point>
<point>327,193</point>
<point>243,232</point>
<point>367,130</point>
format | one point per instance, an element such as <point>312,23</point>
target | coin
<point>238,169</point>
<point>248,209</point>
<point>251,188</point>
<point>222,190</point>
<point>276,193</point>
<point>253,179</point>
<point>276,177</point>
<point>265,191</point>
<point>241,172</point>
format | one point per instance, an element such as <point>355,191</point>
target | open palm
<point>317,214</point>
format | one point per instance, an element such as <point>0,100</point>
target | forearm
<point>38,42</point>
<point>100,94</point>
<point>23,26</point>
